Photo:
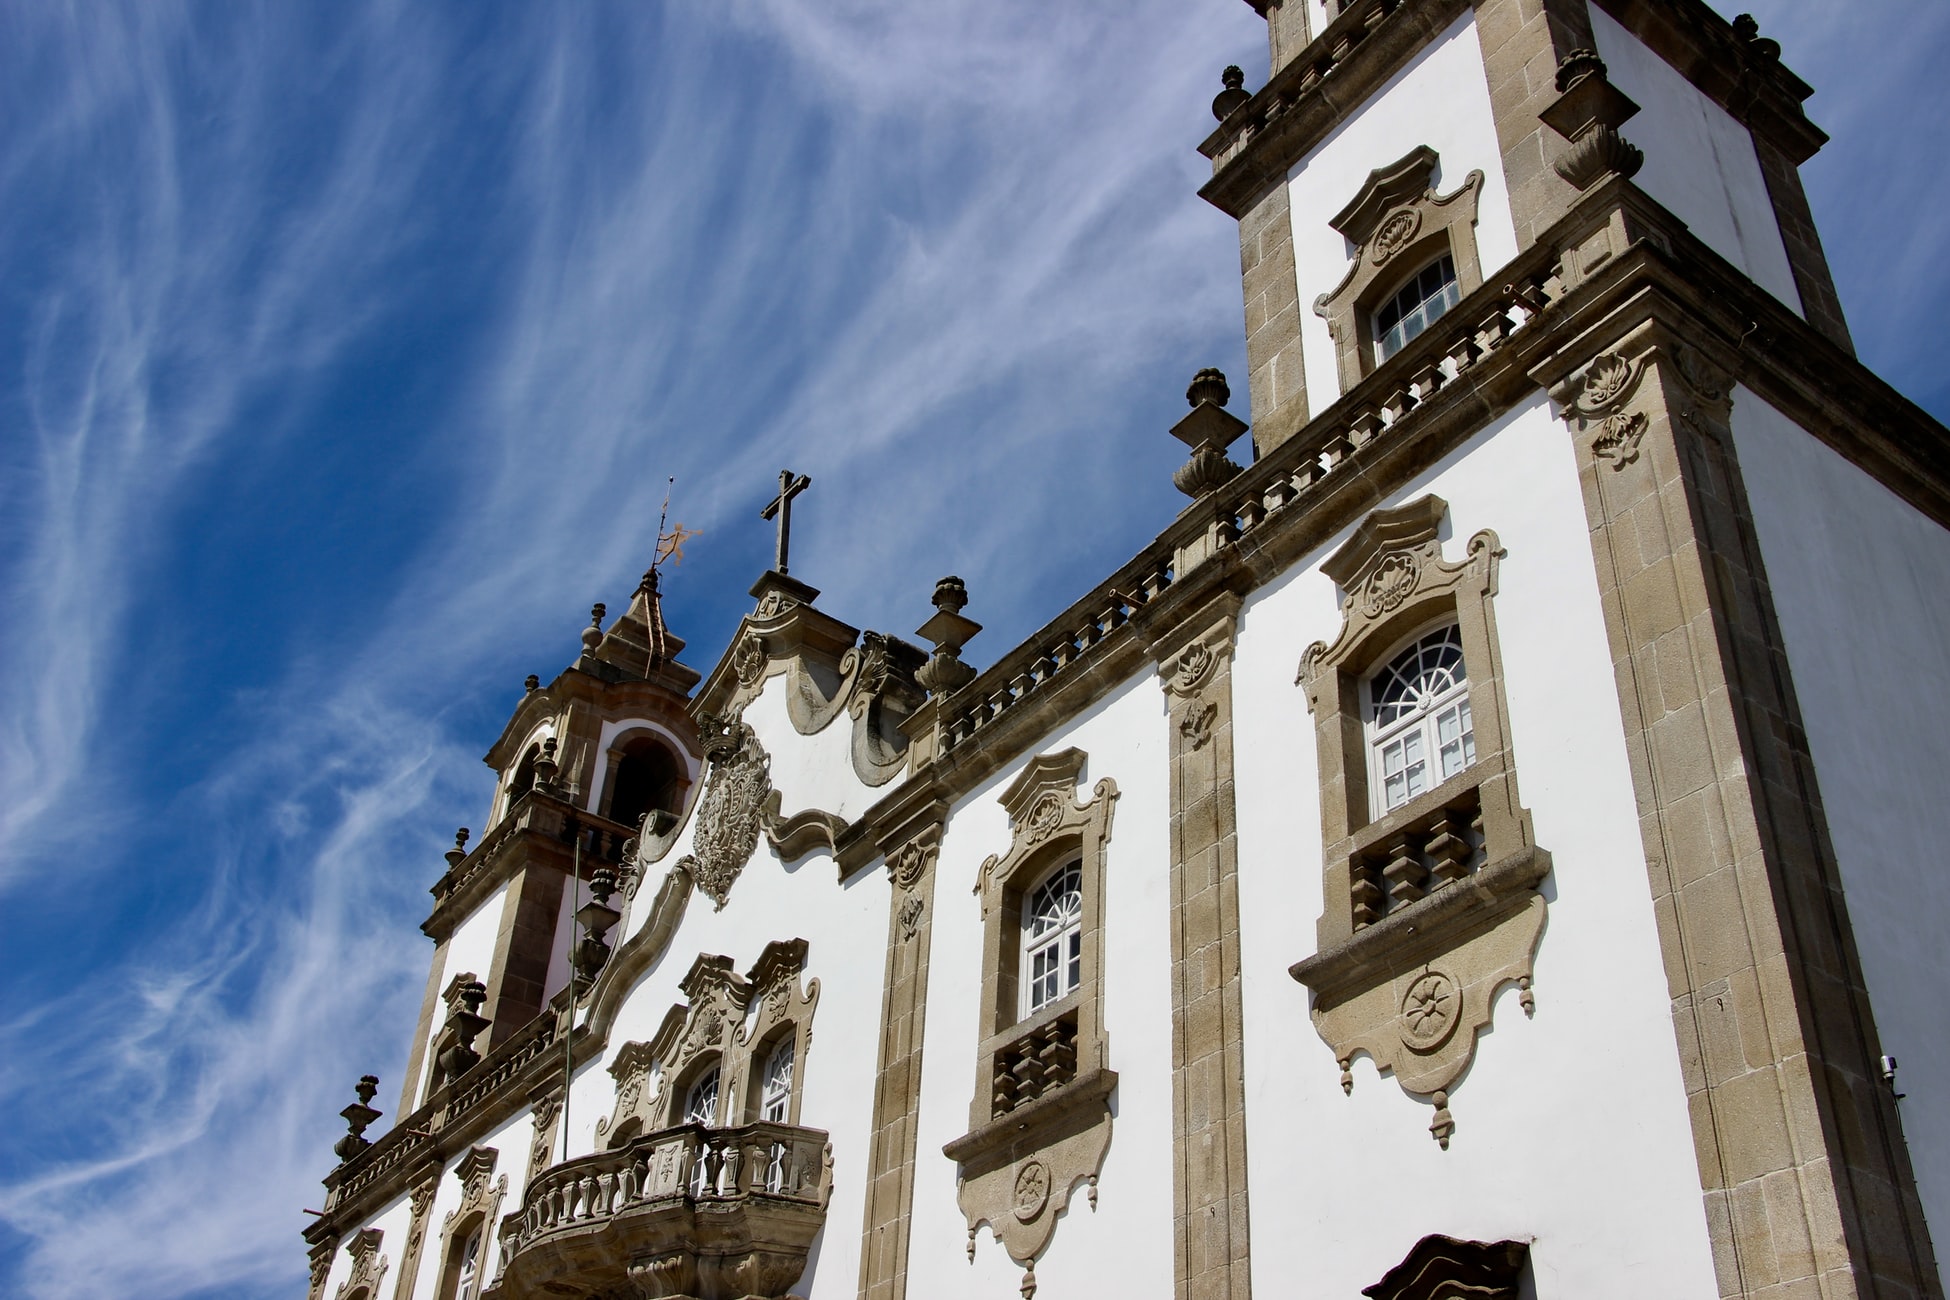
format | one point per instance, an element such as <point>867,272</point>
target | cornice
<point>1372,40</point>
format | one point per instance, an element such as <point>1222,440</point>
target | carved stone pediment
<point>730,814</point>
<point>1397,224</point>
<point>368,1266</point>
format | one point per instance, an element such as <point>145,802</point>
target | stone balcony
<point>685,1213</point>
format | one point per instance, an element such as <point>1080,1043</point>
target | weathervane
<point>670,545</point>
<point>790,486</point>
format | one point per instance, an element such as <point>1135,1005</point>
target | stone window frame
<point>1379,969</point>
<point>1020,1161</point>
<point>1398,226</point>
<point>477,1215</point>
<point>728,1020</point>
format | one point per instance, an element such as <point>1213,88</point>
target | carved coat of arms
<point>730,815</point>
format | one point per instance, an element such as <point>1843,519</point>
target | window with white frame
<point>701,1103</point>
<point>1052,938</point>
<point>470,1265</point>
<point>1419,731</point>
<point>1416,306</point>
<point>775,1097</point>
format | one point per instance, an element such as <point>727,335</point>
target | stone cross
<point>790,486</point>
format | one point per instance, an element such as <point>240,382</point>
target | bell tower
<point>1543,98</point>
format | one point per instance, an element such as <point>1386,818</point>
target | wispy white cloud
<point>718,249</point>
<point>945,257</point>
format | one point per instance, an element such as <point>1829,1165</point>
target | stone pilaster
<point>1801,1156</point>
<point>416,1063</point>
<point>1276,373</point>
<point>416,1233</point>
<point>1211,1246</point>
<point>1523,41</point>
<point>897,1090</point>
<point>523,946</point>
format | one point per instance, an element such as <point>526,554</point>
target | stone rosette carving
<point>730,815</point>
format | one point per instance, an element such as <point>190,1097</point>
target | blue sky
<point>345,351</point>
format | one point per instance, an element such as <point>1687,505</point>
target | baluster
<point>1366,893</point>
<point>734,1162</point>
<point>1405,873</point>
<point>1448,849</point>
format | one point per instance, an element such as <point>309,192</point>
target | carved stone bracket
<point>795,836</point>
<point>1431,906</point>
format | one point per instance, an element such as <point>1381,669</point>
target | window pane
<point>1428,294</point>
<point>1418,767</point>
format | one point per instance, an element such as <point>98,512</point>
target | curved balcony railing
<point>711,1212</point>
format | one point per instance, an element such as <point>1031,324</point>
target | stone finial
<point>464,1024</point>
<point>597,918</point>
<point>1576,66</point>
<point>1233,97</point>
<point>458,854</point>
<point>1588,112</point>
<point>944,672</point>
<point>1208,431</point>
<point>358,1116</point>
<point>531,683</point>
<point>1747,28</point>
<point>592,636</point>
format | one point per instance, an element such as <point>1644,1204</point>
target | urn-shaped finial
<point>1230,100</point>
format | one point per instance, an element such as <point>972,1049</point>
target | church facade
<point>1483,846</point>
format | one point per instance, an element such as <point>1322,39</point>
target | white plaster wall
<point>1572,1128</point>
<point>1441,99</point>
<point>845,926</point>
<point>1124,1247</point>
<point>470,949</point>
<point>1699,162</point>
<point>1861,583</point>
<point>810,771</point>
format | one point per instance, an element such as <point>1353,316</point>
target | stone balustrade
<point>693,1211</point>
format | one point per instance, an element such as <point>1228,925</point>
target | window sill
<point>1034,1124</point>
<point>1410,934</point>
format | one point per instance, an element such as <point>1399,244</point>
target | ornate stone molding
<point>546,1110</point>
<point>1397,224</point>
<point>1431,907</point>
<point>1588,112</point>
<point>731,812</point>
<point>1040,1121</point>
<point>368,1266</point>
<point>806,830</point>
<point>712,1026</point>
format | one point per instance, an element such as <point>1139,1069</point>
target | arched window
<point>1419,728</point>
<point>462,1276</point>
<point>775,1096</point>
<point>701,1102</point>
<point>524,778</point>
<point>646,776</point>
<point>1418,304</point>
<point>1052,937</point>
